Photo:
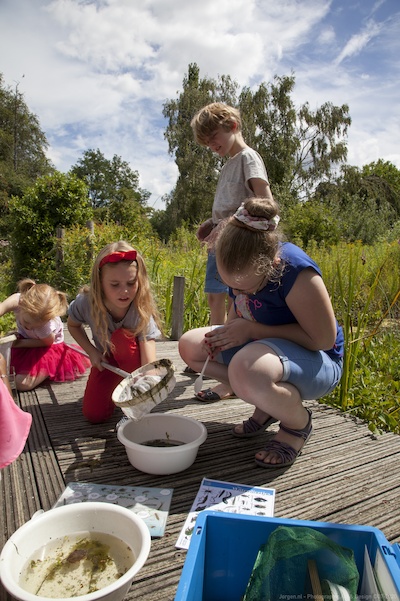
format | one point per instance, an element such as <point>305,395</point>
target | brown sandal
<point>253,428</point>
<point>286,453</point>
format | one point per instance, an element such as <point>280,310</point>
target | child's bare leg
<point>194,353</point>
<point>25,382</point>
<point>255,372</point>
<point>217,305</point>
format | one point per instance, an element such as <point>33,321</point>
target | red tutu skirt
<point>58,362</point>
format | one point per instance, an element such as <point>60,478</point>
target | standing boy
<point>219,127</point>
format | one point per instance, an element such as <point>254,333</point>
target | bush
<point>363,282</point>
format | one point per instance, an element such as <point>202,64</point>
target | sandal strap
<point>304,433</point>
<point>286,453</point>
<point>250,425</point>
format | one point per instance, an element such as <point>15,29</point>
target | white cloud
<point>358,41</point>
<point>327,36</point>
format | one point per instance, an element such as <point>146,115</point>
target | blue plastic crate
<point>224,547</point>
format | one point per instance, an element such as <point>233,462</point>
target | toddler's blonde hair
<point>40,301</point>
<point>207,120</point>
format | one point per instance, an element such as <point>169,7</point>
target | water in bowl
<point>162,442</point>
<point>76,564</point>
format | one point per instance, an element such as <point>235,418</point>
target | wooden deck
<point>345,474</point>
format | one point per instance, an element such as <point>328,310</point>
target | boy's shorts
<point>213,283</point>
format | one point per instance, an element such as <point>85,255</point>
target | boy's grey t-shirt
<point>79,310</point>
<point>233,187</point>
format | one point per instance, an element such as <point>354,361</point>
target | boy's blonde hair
<point>240,247</point>
<point>40,301</point>
<point>207,120</point>
<point>144,301</point>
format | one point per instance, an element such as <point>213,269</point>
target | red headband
<point>129,255</point>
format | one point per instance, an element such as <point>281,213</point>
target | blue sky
<point>96,73</point>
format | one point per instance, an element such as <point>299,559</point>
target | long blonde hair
<point>40,301</point>
<point>240,246</point>
<point>144,301</point>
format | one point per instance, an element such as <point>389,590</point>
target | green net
<point>280,570</point>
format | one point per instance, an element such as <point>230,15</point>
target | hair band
<point>255,222</point>
<point>129,255</point>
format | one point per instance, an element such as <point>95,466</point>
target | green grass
<point>364,284</point>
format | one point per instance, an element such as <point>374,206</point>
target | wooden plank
<point>19,495</point>
<point>47,471</point>
<point>353,472</point>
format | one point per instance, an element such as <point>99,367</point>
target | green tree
<point>269,126</point>
<point>323,145</point>
<point>300,148</point>
<point>108,181</point>
<point>23,148</point>
<point>366,202</point>
<point>385,178</point>
<point>311,221</point>
<point>54,201</point>
<point>192,198</point>
<point>386,170</point>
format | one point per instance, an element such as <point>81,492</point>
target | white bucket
<point>69,520</point>
<point>163,426</point>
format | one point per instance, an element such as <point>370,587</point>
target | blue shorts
<point>213,282</point>
<point>314,373</point>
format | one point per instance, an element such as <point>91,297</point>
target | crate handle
<point>387,551</point>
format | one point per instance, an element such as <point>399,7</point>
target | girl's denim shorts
<point>213,283</point>
<point>314,373</point>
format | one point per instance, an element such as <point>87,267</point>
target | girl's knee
<point>184,344</point>
<point>25,383</point>
<point>98,405</point>
<point>96,414</point>
<point>190,345</point>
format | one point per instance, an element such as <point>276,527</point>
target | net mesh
<point>280,570</point>
<point>158,381</point>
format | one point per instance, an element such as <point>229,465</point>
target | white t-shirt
<point>54,326</point>
<point>80,311</point>
<point>233,187</point>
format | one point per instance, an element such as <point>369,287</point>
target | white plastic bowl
<point>162,426</point>
<point>67,520</point>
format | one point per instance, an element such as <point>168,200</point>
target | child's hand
<point>212,341</point>
<point>211,239</point>
<point>233,333</point>
<point>204,230</point>
<point>96,358</point>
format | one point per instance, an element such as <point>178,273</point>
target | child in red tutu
<point>123,318</point>
<point>40,351</point>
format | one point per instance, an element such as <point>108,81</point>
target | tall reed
<point>363,282</point>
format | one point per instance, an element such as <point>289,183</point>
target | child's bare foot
<point>220,392</point>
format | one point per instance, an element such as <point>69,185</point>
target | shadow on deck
<point>345,474</point>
